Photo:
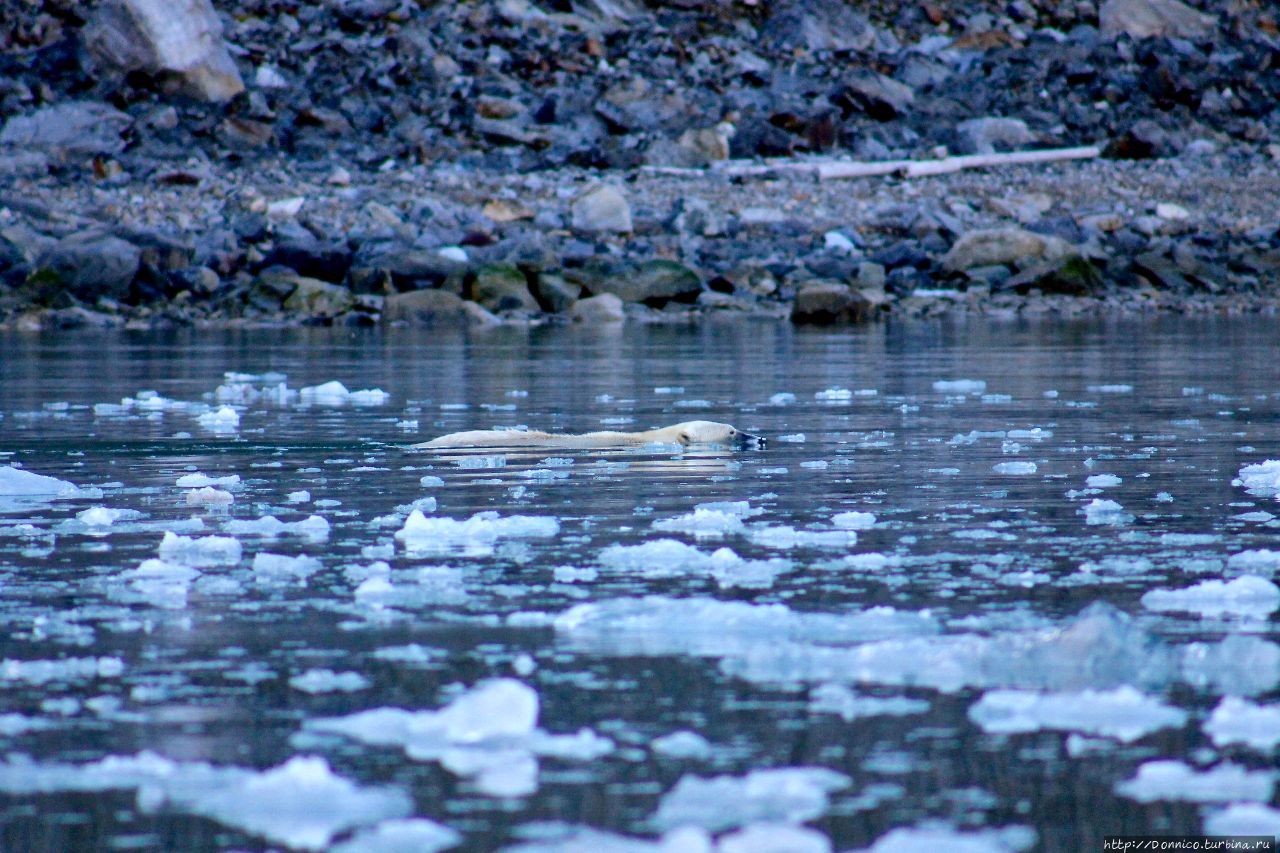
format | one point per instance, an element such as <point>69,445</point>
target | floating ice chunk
<point>854,520</point>
<point>840,700</point>
<point>1238,665</point>
<point>328,681</point>
<point>786,795</point>
<point>1188,540</point>
<point>199,481</point>
<point>926,839</point>
<point>1102,481</point>
<point>960,386</point>
<point>1173,780</point>
<point>774,838</point>
<point>1237,720</point>
<point>488,734</point>
<point>782,399</point>
<point>101,516</point>
<point>793,438</point>
<point>703,523</point>
<point>834,395</point>
<point>560,838</point>
<point>369,397</point>
<point>411,835</point>
<point>301,566</point>
<point>660,558</point>
<point>298,497</point>
<point>223,419</point>
<point>1020,467</point>
<point>742,509</point>
<point>1101,511</point>
<point>1033,434</point>
<point>669,389</point>
<point>684,744</point>
<point>1261,479</point>
<point>66,669</point>
<point>1249,595</point>
<point>477,534</point>
<point>472,461</point>
<point>1244,819</point>
<point>973,436</point>
<point>330,393</point>
<point>815,464</point>
<point>12,725</point>
<point>1123,713</point>
<point>1110,389</point>
<point>783,537</point>
<point>312,527</point>
<point>20,483</point>
<point>209,496</point>
<point>202,551</point>
<point>430,482</point>
<point>1259,561</point>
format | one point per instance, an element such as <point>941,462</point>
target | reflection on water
<point>982,582</point>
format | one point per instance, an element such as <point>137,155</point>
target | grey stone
<point>880,97</point>
<point>89,265</point>
<point>601,208</point>
<point>501,287</point>
<point>556,293</point>
<point>654,283</point>
<point>77,127</point>
<point>830,302</point>
<point>179,37</point>
<point>989,134</point>
<point>605,308</point>
<point>425,308</point>
<point>1071,274</point>
<point>317,298</point>
<point>1150,18</point>
<point>388,268</point>
<point>805,25</point>
<point>1002,246</point>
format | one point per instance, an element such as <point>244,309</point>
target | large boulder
<point>1009,246</point>
<point>655,283</point>
<point>605,308</point>
<point>501,287</point>
<point>1151,18</point>
<point>830,302</point>
<point>316,298</point>
<point>601,208</point>
<point>555,292</point>
<point>178,37</point>
<point>393,267</point>
<point>425,308</point>
<point>74,127</point>
<point>88,265</point>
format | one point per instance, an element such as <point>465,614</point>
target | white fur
<point>689,432</point>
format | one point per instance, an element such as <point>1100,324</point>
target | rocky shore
<point>376,161</point>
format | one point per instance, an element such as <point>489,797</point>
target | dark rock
<point>880,97</point>
<point>655,283</point>
<point>316,298</point>
<point>824,26</point>
<point>500,287</point>
<point>1142,141</point>
<point>901,254</point>
<point>326,261</point>
<point>1142,19</point>
<point>555,292</point>
<point>392,267</point>
<point>1072,275</point>
<point>88,265</point>
<point>425,308</point>
<point>1161,272</point>
<point>76,127</point>
<point>271,288</point>
<point>830,302</point>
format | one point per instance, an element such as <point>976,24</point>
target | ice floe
<point>785,795</point>
<point>1102,511</point>
<point>334,393</point>
<point>683,744</point>
<point>1237,720</point>
<point>1015,468</point>
<point>300,803</point>
<point>409,835</point>
<point>19,484</point>
<point>200,481</point>
<point>224,419</point>
<point>209,496</point>
<point>65,669</point>
<point>200,551</point>
<point>771,837</point>
<point>928,838</point>
<point>1238,665</point>
<point>1249,595</point>
<point>850,706</point>
<point>1123,713</point>
<point>311,527</point>
<point>1244,819</point>
<point>665,558</point>
<point>703,523</point>
<point>488,734</point>
<point>1174,780</point>
<point>278,566</point>
<point>854,520</point>
<point>328,681</point>
<point>960,386</point>
<point>1261,479</point>
<point>475,536</point>
<point>1257,561</point>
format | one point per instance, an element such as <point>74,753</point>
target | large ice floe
<point>20,487</point>
<point>475,536</point>
<point>301,803</point>
<point>488,735</point>
<point>1239,721</point>
<point>669,558</point>
<point>938,837</point>
<point>1261,479</point>
<point>1123,713</point>
<point>782,795</point>
<point>1245,596</point>
<point>1174,780</point>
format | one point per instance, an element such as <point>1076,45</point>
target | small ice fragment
<point>773,838</point>
<point>1174,780</point>
<point>453,253</point>
<point>669,389</point>
<point>1102,481</point>
<point>199,481</point>
<point>788,795</point>
<point>840,700</point>
<point>301,566</point>
<point>782,399</point>
<point>1164,497</point>
<point>209,496</point>
<point>410,835</point>
<point>480,531</point>
<point>1249,595</point>
<point>1110,389</point>
<point>368,397</point>
<point>1009,839</point>
<point>200,551</point>
<point>1237,720</point>
<point>299,497</point>
<point>312,527</point>
<point>330,393</point>
<point>1256,561</point>
<point>572,574</point>
<point>1244,819</point>
<point>1101,511</point>
<point>683,744</point>
<point>101,516</point>
<point>1262,478</point>
<point>1034,434</point>
<point>328,681</point>
<point>430,482</point>
<point>960,386</point>
<point>794,438</point>
<point>223,419</point>
<point>1122,713</point>
<point>854,520</point>
<point>1014,467</point>
<point>703,523</point>
<point>834,395</point>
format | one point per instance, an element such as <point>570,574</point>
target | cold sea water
<point>990,586</point>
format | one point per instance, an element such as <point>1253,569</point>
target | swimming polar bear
<point>687,433</point>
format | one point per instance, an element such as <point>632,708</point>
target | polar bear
<point>687,433</point>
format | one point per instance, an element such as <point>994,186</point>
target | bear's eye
<point>684,438</point>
